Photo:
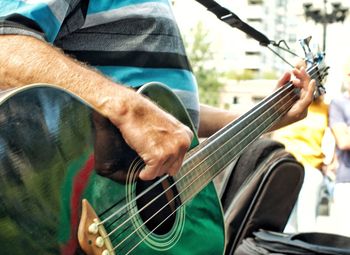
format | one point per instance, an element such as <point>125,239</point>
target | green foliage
<point>269,75</point>
<point>201,56</point>
<point>250,75</point>
<point>242,75</point>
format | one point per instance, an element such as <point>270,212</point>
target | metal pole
<point>324,21</point>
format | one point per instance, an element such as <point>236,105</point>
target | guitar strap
<point>233,20</point>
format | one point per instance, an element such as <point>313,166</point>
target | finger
<point>300,64</point>
<point>300,73</point>
<point>301,79</point>
<point>299,110</point>
<point>310,92</point>
<point>305,101</point>
<point>166,156</point>
<point>172,166</point>
<point>174,162</point>
<point>152,168</point>
<point>148,173</point>
<point>284,79</point>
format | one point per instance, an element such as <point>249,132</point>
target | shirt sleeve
<point>39,18</point>
<point>336,113</point>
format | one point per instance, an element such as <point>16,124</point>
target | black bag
<point>261,191</point>
<point>268,242</point>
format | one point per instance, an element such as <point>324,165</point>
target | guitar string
<point>132,216</point>
<point>285,110</point>
<point>156,227</point>
<point>282,90</point>
<point>134,167</point>
<point>214,136</point>
<point>111,207</point>
<point>166,176</point>
<point>161,209</point>
<point>152,201</point>
<point>163,221</point>
<point>133,164</point>
<point>117,219</point>
<point>120,233</point>
<point>122,248</point>
<point>165,205</point>
<point>124,215</point>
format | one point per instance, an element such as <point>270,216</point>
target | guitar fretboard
<point>213,155</point>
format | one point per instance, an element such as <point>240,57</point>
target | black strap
<point>234,21</point>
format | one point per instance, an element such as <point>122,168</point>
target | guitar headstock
<point>316,66</point>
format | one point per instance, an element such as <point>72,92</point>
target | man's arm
<point>159,139</point>
<point>212,119</point>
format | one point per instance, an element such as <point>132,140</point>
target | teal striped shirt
<point>131,41</point>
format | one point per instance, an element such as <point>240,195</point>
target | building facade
<point>278,20</point>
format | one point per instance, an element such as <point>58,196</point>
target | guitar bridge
<point>92,236</point>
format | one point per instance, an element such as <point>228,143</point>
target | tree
<point>201,58</point>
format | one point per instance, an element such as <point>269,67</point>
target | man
<point>128,43</point>
<point>339,122</point>
<point>84,30</point>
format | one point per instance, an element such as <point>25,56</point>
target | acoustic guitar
<point>68,180</point>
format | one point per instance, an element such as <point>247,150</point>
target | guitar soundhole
<point>159,215</point>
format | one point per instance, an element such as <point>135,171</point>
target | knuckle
<point>301,115</point>
<point>158,156</point>
<point>148,174</point>
<point>154,160</point>
<point>184,145</point>
<point>152,175</point>
<point>174,169</point>
<point>304,114</point>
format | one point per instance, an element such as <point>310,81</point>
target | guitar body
<point>55,151</point>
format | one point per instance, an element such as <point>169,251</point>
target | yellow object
<point>304,138</point>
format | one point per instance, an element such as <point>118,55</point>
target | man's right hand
<point>158,138</point>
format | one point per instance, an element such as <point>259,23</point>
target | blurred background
<point>235,59</point>
<point>234,72</point>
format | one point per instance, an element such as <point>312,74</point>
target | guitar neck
<point>212,156</point>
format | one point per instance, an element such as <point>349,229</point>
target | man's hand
<point>157,137</point>
<point>302,80</point>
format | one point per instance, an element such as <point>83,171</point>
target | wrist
<point>118,103</point>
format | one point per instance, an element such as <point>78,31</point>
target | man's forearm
<point>157,137</point>
<point>25,60</point>
<point>213,119</point>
